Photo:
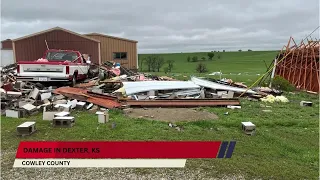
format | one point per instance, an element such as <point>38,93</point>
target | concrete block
<point>248,128</point>
<point>80,105</point>
<point>305,103</point>
<point>48,115</point>
<point>103,117</point>
<point>15,113</point>
<point>45,95</point>
<point>26,128</point>
<point>68,121</point>
<point>62,114</point>
<point>34,94</point>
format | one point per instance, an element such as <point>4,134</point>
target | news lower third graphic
<point>112,154</point>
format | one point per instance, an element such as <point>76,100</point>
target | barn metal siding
<point>110,45</point>
<point>33,48</point>
<point>6,45</point>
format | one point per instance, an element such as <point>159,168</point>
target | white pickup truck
<point>55,65</point>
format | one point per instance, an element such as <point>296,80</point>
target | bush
<point>188,58</point>
<point>195,58</point>
<point>201,68</point>
<point>282,84</point>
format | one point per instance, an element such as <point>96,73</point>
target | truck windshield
<point>61,56</point>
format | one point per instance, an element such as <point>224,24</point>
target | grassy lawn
<point>286,145</point>
<point>249,62</point>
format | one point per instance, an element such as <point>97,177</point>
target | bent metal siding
<point>109,45</point>
<point>33,48</point>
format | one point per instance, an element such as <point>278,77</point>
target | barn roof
<point>113,37</point>
<point>54,29</point>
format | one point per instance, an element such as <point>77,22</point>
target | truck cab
<point>55,65</point>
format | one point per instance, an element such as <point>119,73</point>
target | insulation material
<point>272,99</point>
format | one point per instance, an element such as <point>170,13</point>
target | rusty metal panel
<point>83,95</point>
<point>33,48</point>
<point>6,44</point>
<point>109,45</point>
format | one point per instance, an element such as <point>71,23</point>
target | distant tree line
<point>210,57</point>
<point>154,63</point>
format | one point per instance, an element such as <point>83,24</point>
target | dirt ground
<point>172,114</point>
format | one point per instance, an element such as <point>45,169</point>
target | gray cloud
<point>170,26</point>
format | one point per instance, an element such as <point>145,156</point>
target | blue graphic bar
<point>223,148</point>
<point>230,149</point>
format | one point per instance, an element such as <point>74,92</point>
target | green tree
<point>159,62</point>
<point>188,58</point>
<point>195,58</point>
<point>142,60</point>
<point>170,65</point>
<point>203,58</point>
<point>151,62</point>
<point>210,55</point>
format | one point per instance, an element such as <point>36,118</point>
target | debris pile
<point>109,88</point>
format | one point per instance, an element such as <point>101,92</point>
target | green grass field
<point>243,66</point>
<point>286,145</point>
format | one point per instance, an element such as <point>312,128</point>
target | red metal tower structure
<point>301,64</point>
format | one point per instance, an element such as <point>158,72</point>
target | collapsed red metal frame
<point>301,67</point>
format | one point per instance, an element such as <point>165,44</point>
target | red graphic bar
<point>119,149</point>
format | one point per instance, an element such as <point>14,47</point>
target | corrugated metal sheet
<point>33,47</point>
<point>213,85</point>
<point>145,86</point>
<point>110,44</point>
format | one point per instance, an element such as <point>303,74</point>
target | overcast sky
<point>170,25</point>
